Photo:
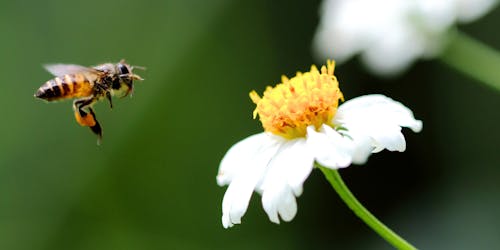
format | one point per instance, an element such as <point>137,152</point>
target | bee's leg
<point>108,96</point>
<point>96,128</point>
<point>82,117</point>
<point>87,119</point>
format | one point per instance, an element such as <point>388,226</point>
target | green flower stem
<point>473,58</point>
<point>335,180</point>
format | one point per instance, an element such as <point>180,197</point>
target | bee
<point>87,85</point>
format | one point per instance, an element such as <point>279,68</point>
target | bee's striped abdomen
<point>67,86</point>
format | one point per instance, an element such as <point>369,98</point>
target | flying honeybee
<point>88,85</point>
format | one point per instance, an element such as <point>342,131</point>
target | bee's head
<point>125,79</point>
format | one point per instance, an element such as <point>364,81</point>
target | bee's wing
<point>64,69</point>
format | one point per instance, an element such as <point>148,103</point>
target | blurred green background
<point>151,184</point>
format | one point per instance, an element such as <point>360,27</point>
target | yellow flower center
<point>309,98</point>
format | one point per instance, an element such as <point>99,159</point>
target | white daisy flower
<point>391,34</point>
<point>302,125</point>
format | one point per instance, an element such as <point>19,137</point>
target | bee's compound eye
<point>123,69</point>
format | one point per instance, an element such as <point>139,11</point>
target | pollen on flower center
<point>309,98</point>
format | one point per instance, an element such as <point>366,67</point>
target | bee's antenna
<point>136,77</point>
<point>137,67</point>
<point>133,76</point>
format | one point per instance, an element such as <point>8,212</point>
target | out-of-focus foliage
<point>151,184</point>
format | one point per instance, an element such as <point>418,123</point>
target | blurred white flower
<point>302,125</point>
<point>390,34</point>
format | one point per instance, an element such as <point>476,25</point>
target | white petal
<point>239,155</point>
<point>299,162</point>
<point>392,55</point>
<point>388,136</point>
<point>285,175</point>
<point>374,108</point>
<point>390,35</point>
<point>330,148</point>
<point>339,32</point>
<point>363,145</point>
<point>434,16</point>
<point>279,200</point>
<point>379,118</point>
<point>255,152</point>
<point>470,10</point>
<point>287,207</point>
